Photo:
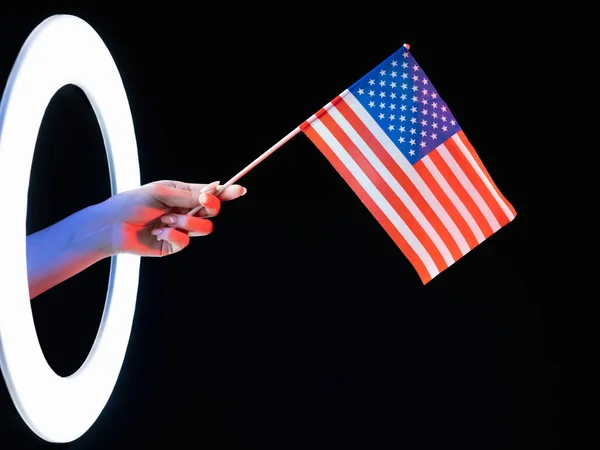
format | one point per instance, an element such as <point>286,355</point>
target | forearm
<point>64,249</point>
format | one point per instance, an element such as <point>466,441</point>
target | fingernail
<point>209,187</point>
<point>168,219</point>
<point>157,232</point>
<point>244,190</point>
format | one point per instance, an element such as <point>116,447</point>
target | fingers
<point>232,192</point>
<point>195,226</point>
<point>174,197</point>
<point>212,205</point>
<point>209,206</point>
<point>211,188</point>
<point>178,239</point>
<point>183,195</point>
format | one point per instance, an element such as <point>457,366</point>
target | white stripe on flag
<point>456,201</point>
<point>484,178</point>
<point>392,183</point>
<point>471,190</point>
<point>377,197</point>
<point>410,171</point>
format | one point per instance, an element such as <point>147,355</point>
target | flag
<point>400,149</point>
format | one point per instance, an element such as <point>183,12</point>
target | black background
<point>297,324</point>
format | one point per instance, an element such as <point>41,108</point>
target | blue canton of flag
<point>404,103</point>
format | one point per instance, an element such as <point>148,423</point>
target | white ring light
<point>61,50</point>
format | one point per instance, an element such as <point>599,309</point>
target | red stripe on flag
<point>320,112</point>
<point>385,190</point>
<point>366,199</point>
<point>461,192</point>
<point>475,156</point>
<point>447,204</point>
<point>401,177</point>
<point>476,181</point>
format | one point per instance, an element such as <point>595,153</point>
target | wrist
<point>96,231</point>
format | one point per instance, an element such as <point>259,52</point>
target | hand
<point>151,220</point>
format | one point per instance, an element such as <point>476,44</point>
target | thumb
<point>183,198</point>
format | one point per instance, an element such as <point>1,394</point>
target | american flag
<point>398,146</point>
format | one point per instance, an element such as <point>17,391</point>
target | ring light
<point>61,50</point>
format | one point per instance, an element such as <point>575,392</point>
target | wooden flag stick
<point>250,166</point>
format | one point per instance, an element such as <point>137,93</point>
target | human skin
<point>150,220</point>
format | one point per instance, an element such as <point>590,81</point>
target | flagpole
<point>250,166</point>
